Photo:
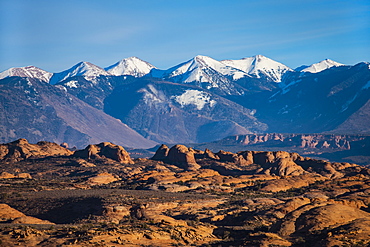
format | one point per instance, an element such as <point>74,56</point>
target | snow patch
<point>346,105</point>
<point>194,97</point>
<point>72,84</point>
<point>153,97</point>
<point>367,85</point>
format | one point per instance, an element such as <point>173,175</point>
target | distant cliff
<point>298,140</point>
<point>341,148</point>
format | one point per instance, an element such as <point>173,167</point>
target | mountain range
<point>200,100</point>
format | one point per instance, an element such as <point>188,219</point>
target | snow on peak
<point>130,66</point>
<point>259,66</point>
<point>85,69</point>
<point>320,66</point>
<point>194,97</point>
<point>202,69</point>
<point>29,71</point>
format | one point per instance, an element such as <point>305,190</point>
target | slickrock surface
<point>100,196</point>
<point>103,178</point>
<point>9,214</point>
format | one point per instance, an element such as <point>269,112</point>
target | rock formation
<point>161,153</point>
<point>179,155</point>
<point>9,214</point>
<point>317,216</point>
<point>105,150</point>
<point>103,178</point>
<point>21,149</point>
<point>279,163</point>
<point>231,157</point>
<point>6,175</point>
<point>31,220</point>
<point>313,141</point>
<point>248,198</point>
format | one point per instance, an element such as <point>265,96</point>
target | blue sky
<point>54,35</point>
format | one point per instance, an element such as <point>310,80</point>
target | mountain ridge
<point>203,99</point>
<point>34,109</point>
<point>140,73</point>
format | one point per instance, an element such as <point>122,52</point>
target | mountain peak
<point>83,68</point>
<point>260,66</point>
<point>202,57</point>
<point>205,72</point>
<point>133,66</point>
<point>260,57</point>
<point>87,69</point>
<point>320,66</point>
<point>201,60</point>
<point>28,71</point>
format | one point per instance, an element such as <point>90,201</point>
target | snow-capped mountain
<point>29,71</point>
<point>205,72</point>
<point>172,113</point>
<point>336,101</point>
<point>260,66</point>
<point>320,66</point>
<point>130,66</point>
<point>84,69</point>
<point>204,99</point>
<point>36,110</point>
<point>201,69</point>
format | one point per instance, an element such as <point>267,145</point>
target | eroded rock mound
<point>161,153</point>
<point>103,178</point>
<point>21,149</point>
<point>9,214</point>
<point>285,170</point>
<point>318,216</point>
<point>105,150</point>
<point>7,175</point>
<point>31,220</point>
<point>178,155</point>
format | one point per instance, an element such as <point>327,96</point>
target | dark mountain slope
<point>36,110</point>
<point>169,112</point>
<point>321,102</point>
<point>92,92</point>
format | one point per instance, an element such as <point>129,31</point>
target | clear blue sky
<point>56,34</point>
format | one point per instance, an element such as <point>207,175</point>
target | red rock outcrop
<point>9,214</point>
<point>277,163</point>
<point>31,220</point>
<point>178,155</point>
<point>231,157</point>
<point>105,150</point>
<point>7,175</point>
<point>161,153</point>
<point>208,154</point>
<point>103,178</point>
<point>21,149</point>
<point>317,216</point>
